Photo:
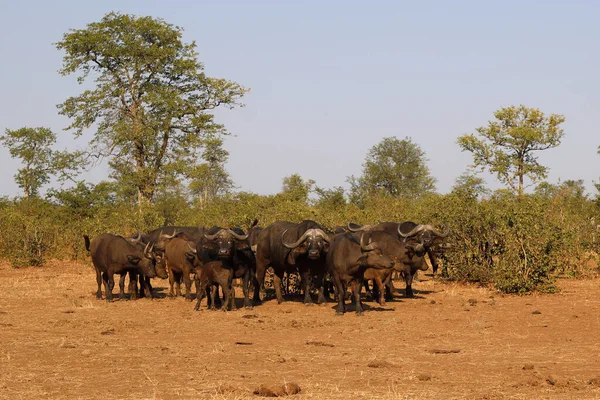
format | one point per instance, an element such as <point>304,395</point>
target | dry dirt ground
<point>452,341</point>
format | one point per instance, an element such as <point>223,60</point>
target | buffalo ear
<point>291,258</point>
<point>134,259</point>
<point>362,260</point>
<point>410,252</point>
<point>242,246</point>
<point>189,255</point>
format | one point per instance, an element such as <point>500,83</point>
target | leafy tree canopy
<point>395,168</point>
<point>506,145</point>
<point>33,146</point>
<point>151,99</point>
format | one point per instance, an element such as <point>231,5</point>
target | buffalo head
<point>421,237</point>
<point>146,263</point>
<point>163,239</point>
<point>151,253</point>
<point>226,241</point>
<point>312,242</point>
<point>372,256</point>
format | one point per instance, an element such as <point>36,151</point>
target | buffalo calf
<point>214,274</point>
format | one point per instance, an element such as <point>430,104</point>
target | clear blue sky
<point>329,79</point>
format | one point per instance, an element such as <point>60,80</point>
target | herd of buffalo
<point>349,256</point>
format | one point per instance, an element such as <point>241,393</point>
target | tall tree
<point>597,186</point>
<point>151,98</point>
<point>297,189</point>
<point>396,168</point>
<point>210,179</point>
<point>506,146</point>
<point>33,146</point>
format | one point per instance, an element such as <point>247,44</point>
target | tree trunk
<point>520,173</point>
<point>520,183</point>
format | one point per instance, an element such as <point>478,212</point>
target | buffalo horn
<point>213,237</point>
<point>137,238</point>
<point>367,247</point>
<point>146,251</point>
<point>298,242</point>
<point>413,232</point>
<point>193,250</point>
<point>237,235</point>
<point>169,236</point>
<point>444,234</point>
<point>359,228</point>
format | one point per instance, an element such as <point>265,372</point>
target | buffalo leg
<point>327,287</point>
<point>305,278</point>
<point>178,277</point>
<point>246,289</point>
<point>262,264</point>
<point>341,296</point>
<point>368,290</point>
<point>380,290</point>
<point>277,278</point>
<point>188,285</point>
<point>111,284</point>
<point>320,282</point>
<point>200,292</point>
<point>171,282</point>
<point>149,287</point>
<point>146,287</point>
<point>122,286</point>
<point>132,287</point>
<point>409,279</point>
<point>214,292</point>
<point>256,295</point>
<point>389,288</point>
<point>99,282</point>
<point>226,286</point>
<point>356,288</point>
<point>232,300</point>
<point>105,281</point>
<point>434,264</point>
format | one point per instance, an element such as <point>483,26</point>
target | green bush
<point>517,244</point>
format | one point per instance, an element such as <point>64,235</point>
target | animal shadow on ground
<point>417,293</point>
<point>289,298</point>
<point>159,292</point>
<point>351,307</point>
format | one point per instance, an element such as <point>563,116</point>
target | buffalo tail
<point>87,242</point>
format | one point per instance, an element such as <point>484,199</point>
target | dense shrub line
<point>519,244</point>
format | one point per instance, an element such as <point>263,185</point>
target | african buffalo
<point>145,285</point>
<point>349,257</point>
<point>418,240</point>
<point>233,246</point>
<point>160,236</point>
<point>285,247</point>
<point>423,236</point>
<point>113,254</point>
<point>253,233</point>
<point>214,273</point>
<point>181,260</point>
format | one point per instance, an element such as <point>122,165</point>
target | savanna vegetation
<point>150,109</point>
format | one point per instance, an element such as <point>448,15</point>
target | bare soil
<point>451,341</point>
